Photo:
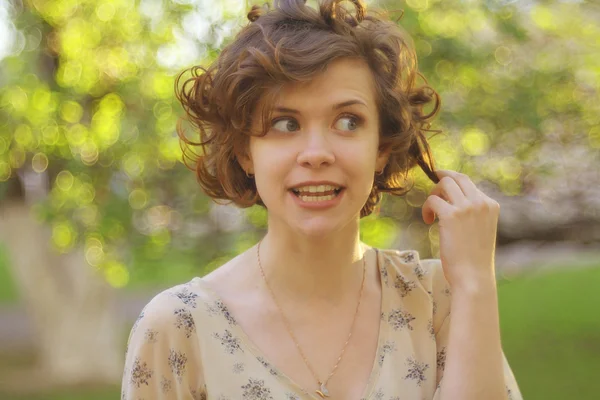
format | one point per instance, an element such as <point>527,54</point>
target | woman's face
<point>314,169</point>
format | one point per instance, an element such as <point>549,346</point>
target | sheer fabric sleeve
<point>163,354</point>
<point>442,297</point>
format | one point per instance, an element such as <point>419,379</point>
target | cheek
<point>361,160</point>
<point>361,167</point>
<point>269,178</point>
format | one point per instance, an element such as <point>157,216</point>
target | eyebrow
<point>335,106</point>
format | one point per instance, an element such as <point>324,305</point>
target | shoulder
<point>174,309</point>
<point>163,353</point>
<point>418,284</point>
<point>408,266</point>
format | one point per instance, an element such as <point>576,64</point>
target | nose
<point>317,150</point>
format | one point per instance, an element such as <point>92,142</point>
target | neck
<point>313,269</point>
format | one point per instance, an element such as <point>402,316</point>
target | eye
<point>348,123</point>
<point>286,125</point>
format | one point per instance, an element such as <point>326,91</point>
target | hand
<point>468,221</point>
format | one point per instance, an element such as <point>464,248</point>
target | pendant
<point>323,392</point>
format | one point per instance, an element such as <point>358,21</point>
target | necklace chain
<point>322,391</point>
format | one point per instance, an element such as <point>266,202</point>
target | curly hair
<point>292,42</point>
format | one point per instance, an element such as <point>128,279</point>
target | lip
<point>318,205</point>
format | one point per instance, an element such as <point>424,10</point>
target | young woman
<point>313,114</point>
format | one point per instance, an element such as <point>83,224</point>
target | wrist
<point>475,287</point>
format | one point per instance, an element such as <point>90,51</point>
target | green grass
<point>551,333</point>
<point>109,393</point>
<point>8,291</point>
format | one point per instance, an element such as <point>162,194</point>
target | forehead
<point>342,80</point>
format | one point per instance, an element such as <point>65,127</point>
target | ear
<point>244,158</point>
<point>383,155</point>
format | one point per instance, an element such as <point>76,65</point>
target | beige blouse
<point>186,344</point>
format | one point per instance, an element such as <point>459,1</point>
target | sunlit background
<point>98,213</point>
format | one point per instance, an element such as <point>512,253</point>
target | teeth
<point>316,189</point>
<point>309,199</point>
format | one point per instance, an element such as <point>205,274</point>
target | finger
<point>439,191</point>
<point>452,192</point>
<point>463,181</point>
<point>435,205</point>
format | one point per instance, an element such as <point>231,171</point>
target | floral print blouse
<point>187,345</point>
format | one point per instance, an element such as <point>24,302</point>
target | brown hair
<point>293,42</point>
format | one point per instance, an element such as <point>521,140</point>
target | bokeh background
<point>98,213</point>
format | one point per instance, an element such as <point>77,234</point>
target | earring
<point>379,172</point>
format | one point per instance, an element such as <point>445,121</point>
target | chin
<point>316,232</point>
<point>319,228</point>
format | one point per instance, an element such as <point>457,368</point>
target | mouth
<point>317,193</point>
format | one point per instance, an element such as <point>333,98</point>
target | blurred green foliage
<point>87,96</point>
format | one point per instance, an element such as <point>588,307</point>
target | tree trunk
<point>70,305</point>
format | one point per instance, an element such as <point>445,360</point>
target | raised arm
<point>467,339</point>
<point>468,221</point>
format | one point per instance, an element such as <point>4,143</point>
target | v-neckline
<point>259,354</point>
